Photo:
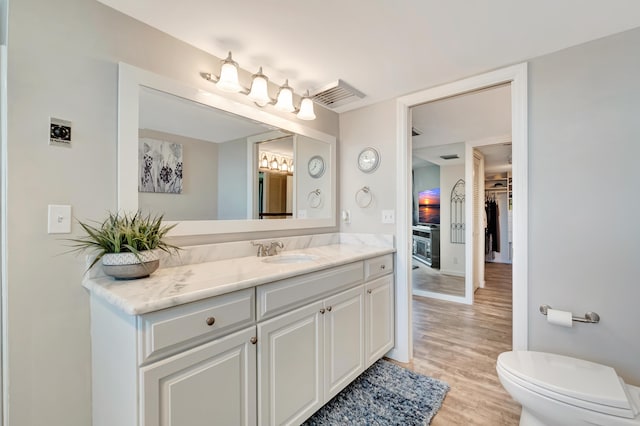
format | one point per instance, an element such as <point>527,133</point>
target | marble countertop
<point>177,285</point>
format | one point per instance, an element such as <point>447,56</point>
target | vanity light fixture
<point>284,167</point>
<point>274,164</point>
<point>306,108</point>
<point>259,93</point>
<point>291,165</point>
<point>264,163</point>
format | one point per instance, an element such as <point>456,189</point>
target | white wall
<point>198,200</point>
<point>452,256</point>
<point>231,182</point>
<point>371,126</point>
<point>583,203</point>
<point>584,231</point>
<point>63,59</point>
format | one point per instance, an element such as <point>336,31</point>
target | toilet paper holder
<point>589,317</point>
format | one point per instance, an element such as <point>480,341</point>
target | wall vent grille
<point>336,94</point>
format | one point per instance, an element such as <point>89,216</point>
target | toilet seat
<point>577,382</point>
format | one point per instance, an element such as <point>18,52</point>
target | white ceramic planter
<point>126,266</point>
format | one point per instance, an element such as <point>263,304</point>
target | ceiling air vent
<point>336,94</point>
<point>449,156</point>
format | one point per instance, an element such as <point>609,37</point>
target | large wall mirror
<point>213,165</point>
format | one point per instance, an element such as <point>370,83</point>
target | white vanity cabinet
<point>187,365</point>
<point>214,383</point>
<point>308,355</point>
<point>266,355</point>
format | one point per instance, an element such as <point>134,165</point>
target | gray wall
<point>63,59</point>
<point>232,186</point>
<point>584,231</point>
<point>199,197</point>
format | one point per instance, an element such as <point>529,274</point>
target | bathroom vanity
<point>239,341</point>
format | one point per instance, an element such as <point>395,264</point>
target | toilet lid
<point>579,379</point>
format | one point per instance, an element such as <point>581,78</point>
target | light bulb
<point>259,89</point>
<point>228,80</point>
<point>285,98</point>
<point>306,108</point>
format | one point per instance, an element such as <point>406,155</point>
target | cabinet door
<point>214,383</point>
<point>290,366</point>
<point>380,319</point>
<point>343,339</point>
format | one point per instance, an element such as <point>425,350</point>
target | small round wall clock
<point>368,160</point>
<point>316,166</point>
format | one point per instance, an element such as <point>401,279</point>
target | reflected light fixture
<point>284,167</point>
<point>291,166</point>
<point>264,163</point>
<point>259,91</point>
<point>274,163</point>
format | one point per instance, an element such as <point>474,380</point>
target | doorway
<point>516,76</point>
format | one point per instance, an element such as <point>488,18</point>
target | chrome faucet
<point>273,248</point>
<point>270,249</point>
<point>262,249</point>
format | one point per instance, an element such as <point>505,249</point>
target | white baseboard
<point>454,273</point>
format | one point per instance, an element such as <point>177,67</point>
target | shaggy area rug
<point>385,394</point>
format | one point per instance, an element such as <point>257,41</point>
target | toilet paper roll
<point>562,318</point>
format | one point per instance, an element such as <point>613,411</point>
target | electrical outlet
<point>302,214</point>
<point>388,216</point>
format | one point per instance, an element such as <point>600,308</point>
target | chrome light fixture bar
<point>259,92</point>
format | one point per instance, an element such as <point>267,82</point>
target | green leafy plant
<point>122,233</point>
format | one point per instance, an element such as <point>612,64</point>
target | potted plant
<point>127,244</point>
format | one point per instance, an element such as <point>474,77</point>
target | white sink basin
<point>289,258</point>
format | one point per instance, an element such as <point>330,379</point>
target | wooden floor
<point>459,344</point>
<point>424,278</point>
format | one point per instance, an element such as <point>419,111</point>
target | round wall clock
<point>316,166</point>
<point>368,160</point>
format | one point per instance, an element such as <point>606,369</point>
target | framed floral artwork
<point>159,166</point>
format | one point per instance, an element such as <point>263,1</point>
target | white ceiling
<point>482,116</point>
<point>384,48</point>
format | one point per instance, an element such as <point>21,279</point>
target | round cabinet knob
<point>254,340</point>
<point>210,320</point>
<point>382,266</point>
<point>329,308</point>
<point>369,291</point>
<point>322,311</point>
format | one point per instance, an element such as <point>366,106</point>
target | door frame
<point>516,76</point>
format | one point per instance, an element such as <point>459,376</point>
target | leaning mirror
<point>213,165</point>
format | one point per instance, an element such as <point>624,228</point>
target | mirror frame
<point>130,79</point>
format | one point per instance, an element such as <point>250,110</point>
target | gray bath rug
<point>385,394</point>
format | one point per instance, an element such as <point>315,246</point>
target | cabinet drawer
<point>378,266</point>
<point>290,293</point>
<point>166,332</point>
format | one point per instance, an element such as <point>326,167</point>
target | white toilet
<point>556,390</point>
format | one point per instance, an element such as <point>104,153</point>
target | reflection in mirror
<point>275,178</point>
<point>194,157</point>
<point>205,150</point>
<point>214,166</point>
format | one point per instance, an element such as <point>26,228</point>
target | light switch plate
<point>388,216</point>
<point>59,219</point>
